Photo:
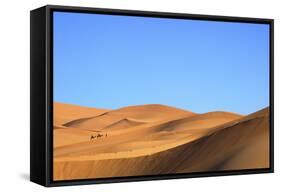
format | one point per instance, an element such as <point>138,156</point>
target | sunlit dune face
<point>155,139</point>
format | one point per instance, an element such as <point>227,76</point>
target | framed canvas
<point>125,95</point>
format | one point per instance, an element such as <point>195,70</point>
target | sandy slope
<point>67,112</point>
<point>156,139</point>
<point>141,113</point>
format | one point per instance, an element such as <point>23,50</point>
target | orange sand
<point>155,139</point>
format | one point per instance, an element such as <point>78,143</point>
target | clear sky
<point>115,61</point>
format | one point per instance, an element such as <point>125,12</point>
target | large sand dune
<point>156,139</point>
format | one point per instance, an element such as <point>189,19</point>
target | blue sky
<point>115,61</point>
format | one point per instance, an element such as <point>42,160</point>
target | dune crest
<point>150,113</point>
<point>157,139</point>
<point>125,123</point>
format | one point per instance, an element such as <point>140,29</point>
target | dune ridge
<point>167,140</point>
<point>150,113</point>
<point>124,123</point>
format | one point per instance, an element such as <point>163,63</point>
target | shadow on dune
<point>178,142</point>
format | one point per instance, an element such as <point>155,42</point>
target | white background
<point>14,94</point>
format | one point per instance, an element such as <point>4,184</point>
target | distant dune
<point>125,123</point>
<point>145,113</point>
<point>155,139</point>
<point>67,112</point>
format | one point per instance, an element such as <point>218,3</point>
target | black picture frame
<point>41,94</point>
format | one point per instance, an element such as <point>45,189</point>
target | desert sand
<point>155,139</point>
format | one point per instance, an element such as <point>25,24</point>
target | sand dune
<point>125,123</point>
<point>156,139</point>
<point>67,112</point>
<point>145,113</point>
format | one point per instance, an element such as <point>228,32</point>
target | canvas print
<point>139,96</point>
